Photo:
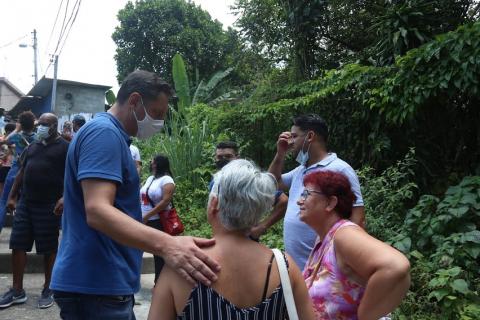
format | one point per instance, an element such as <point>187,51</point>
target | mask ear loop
<point>144,110</point>
<point>305,141</point>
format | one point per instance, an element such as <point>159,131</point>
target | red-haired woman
<point>350,274</point>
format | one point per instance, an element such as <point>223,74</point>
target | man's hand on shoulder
<point>184,255</point>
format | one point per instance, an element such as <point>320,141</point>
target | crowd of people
<point>331,268</point>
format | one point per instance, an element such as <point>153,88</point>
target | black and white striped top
<point>205,303</point>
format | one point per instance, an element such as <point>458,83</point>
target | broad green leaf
<point>180,79</point>
<point>110,96</point>
<point>460,285</point>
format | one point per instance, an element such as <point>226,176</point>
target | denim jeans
<point>12,173</point>
<point>77,306</point>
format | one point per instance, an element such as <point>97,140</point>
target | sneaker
<point>46,299</point>
<point>12,297</point>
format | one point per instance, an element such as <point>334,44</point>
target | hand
<point>183,254</point>
<point>145,220</point>
<point>284,142</point>
<point>257,231</point>
<point>58,210</point>
<point>11,204</point>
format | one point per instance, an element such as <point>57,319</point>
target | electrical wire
<point>71,25</point>
<point>13,41</point>
<point>62,40</point>
<point>54,24</point>
<point>62,29</point>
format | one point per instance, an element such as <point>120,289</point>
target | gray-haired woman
<point>248,285</point>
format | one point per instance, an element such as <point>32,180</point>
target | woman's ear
<point>212,209</point>
<point>332,203</point>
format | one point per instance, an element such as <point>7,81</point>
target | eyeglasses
<point>307,192</point>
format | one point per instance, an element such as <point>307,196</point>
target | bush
<point>388,195</point>
<point>443,235</point>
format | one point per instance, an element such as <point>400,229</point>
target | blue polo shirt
<point>299,238</point>
<point>88,261</point>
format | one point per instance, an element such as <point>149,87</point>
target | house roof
<point>43,88</point>
<point>10,85</point>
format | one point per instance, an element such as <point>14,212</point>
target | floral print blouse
<point>334,295</point>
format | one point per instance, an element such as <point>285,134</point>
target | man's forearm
<point>277,213</point>
<point>126,230</point>
<point>358,216</point>
<point>17,183</point>
<point>276,167</point>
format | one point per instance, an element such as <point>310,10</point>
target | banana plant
<point>180,79</point>
<point>205,89</point>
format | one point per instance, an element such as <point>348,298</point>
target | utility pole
<point>54,86</point>
<point>35,61</point>
<point>35,74</point>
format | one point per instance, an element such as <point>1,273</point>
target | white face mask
<point>148,126</point>
<point>302,157</point>
<point>43,132</point>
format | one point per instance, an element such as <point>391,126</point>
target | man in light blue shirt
<point>307,140</point>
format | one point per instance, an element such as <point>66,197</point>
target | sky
<point>88,54</point>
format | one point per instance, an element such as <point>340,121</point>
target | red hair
<point>332,183</point>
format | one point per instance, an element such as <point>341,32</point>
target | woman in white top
<point>156,198</point>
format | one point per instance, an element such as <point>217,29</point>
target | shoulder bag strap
<point>146,193</point>
<point>286,286</point>
<point>24,139</point>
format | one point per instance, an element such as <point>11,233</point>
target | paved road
<point>33,284</point>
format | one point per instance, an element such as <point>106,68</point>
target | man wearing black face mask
<point>227,151</point>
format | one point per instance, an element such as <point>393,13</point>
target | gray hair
<point>244,194</point>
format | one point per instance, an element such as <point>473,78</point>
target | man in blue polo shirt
<point>97,270</point>
<point>307,140</point>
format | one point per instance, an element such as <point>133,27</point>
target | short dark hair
<point>228,145</point>
<point>27,120</point>
<point>147,84</point>
<point>313,122</point>
<point>332,183</point>
<point>162,166</point>
<point>9,127</point>
<point>79,120</point>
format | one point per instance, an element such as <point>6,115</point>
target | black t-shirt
<point>44,170</point>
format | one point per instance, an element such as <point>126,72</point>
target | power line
<point>54,24</point>
<point>71,25</point>
<point>62,29</point>
<point>68,24</point>
<point>13,41</point>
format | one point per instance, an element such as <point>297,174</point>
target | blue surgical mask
<point>302,157</point>
<point>43,132</point>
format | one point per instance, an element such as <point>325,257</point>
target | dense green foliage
<point>442,236</point>
<point>311,36</point>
